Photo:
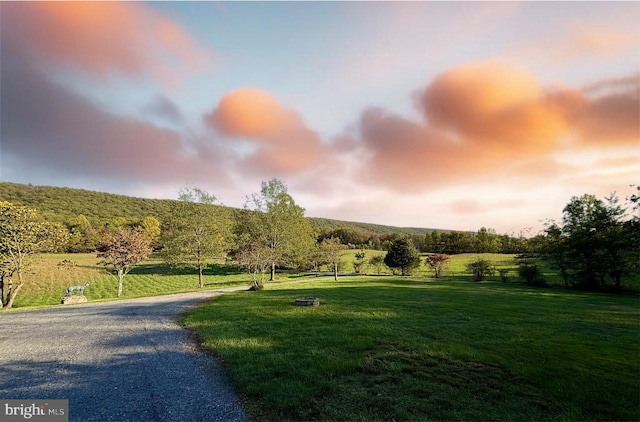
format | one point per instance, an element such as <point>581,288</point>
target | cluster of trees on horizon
<point>95,218</point>
<point>595,245</point>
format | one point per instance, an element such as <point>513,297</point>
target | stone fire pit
<point>307,301</point>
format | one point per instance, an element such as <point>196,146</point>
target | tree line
<point>596,244</point>
<point>594,247</point>
<point>89,215</point>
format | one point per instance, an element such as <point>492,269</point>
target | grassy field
<point>46,281</point>
<point>391,348</point>
<point>382,347</point>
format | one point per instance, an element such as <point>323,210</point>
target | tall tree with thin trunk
<point>331,250</point>
<point>196,232</point>
<point>23,233</point>
<point>273,218</point>
<point>255,258</point>
<point>122,250</point>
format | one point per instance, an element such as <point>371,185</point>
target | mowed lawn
<point>392,348</point>
<point>46,280</point>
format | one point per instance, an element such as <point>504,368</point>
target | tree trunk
<point>2,291</point>
<point>200,282</point>
<point>120,281</point>
<point>617,277</point>
<point>335,271</point>
<point>273,272</point>
<point>13,295</point>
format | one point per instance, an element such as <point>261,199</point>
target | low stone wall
<point>72,299</point>
<point>307,301</point>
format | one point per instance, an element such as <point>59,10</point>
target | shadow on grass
<point>164,269</point>
<point>417,349</point>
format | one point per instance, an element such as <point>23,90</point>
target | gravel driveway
<point>125,360</point>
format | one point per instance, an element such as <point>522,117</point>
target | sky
<point>450,115</point>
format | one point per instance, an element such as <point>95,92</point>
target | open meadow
<point>391,348</point>
<point>385,347</point>
<point>47,278</point>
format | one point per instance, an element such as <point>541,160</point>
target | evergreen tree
<point>403,255</point>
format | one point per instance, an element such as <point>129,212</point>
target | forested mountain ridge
<point>66,204</point>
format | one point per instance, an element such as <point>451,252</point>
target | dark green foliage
<point>531,273</point>
<point>504,274</point>
<point>480,268</point>
<point>595,246</point>
<point>402,255</point>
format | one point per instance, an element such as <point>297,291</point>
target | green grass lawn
<point>391,348</point>
<point>46,282</point>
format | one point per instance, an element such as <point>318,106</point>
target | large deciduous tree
<point>196,231</point>
<point>273,219</point>
<point>122,249</point>
<point>598,240</point>
<point>403,255</point>
<point>23,233</point>
<point>595,244</point>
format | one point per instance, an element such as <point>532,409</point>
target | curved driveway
<point>125,360</point>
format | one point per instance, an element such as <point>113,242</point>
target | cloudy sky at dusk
<point>451,115</point>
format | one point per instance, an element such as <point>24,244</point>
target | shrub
<point>504,274</point>
<point>531,274</point>
<point>480,268</point>
<point>437,262</point>
<point>377,262</point>
<point>359,262</point>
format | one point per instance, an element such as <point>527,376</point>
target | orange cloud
<point>490,121</point>
<point>282,141</point>
<point>102,37</point>
<point>496,105</point>
<point>252,113</point>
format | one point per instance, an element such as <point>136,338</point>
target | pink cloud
<point>103,37</point>
<point>585,43</point>
<point>283,143</point>
<point>490,121</point>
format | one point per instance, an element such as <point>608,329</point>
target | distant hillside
<point>66,204</point>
